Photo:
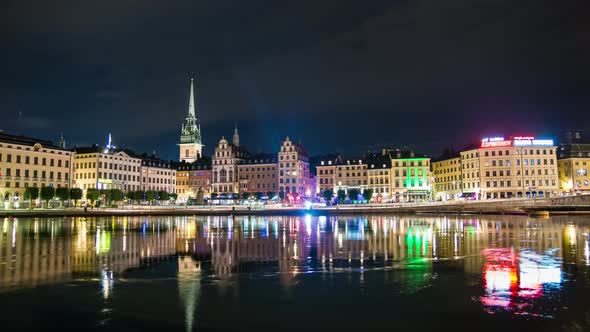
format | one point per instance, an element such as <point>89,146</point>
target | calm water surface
<point>370,272</point>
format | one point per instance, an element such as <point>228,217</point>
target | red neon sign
<point>494,144</point>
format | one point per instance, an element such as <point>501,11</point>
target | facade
<point>259,174</point>
<point>351,174</point>
<point>30,162</point>
<point>157,175</point>
<point>325,169</point>
<point>517,167</point>
<point>294,172</point>
<point>106,168</point>
<point>192,178</point>
<point>226,158</point>
<point>190,147</point>
<point>573,164</point>
<point>410,175</point>
<point>447,183</point>
<point>379,176</point>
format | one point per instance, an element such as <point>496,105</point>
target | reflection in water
<point>517,260</point>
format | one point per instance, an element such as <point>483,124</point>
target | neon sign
<point>492,139</point>
<point>493,144</point>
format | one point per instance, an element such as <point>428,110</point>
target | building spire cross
<point>191,103</point>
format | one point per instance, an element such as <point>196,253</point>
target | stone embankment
<point>559,205</point>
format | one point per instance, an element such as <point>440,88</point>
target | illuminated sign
<point>542,142</point>
<point>105,181</point>
<point>492,139</point>
<point>524,137</point>
<point>532,142</point>
<point>494,144</point>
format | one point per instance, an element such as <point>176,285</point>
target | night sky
<point>344,76</point>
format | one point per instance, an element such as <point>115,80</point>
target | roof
<point>260,158</point>
<point>100,149</point>
<point>28,141</point>
<point>203,163</point>
<point>378,160</point>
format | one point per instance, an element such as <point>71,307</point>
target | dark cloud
<point>339,75</point>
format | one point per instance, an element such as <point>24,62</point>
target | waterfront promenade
<point>559,205</point>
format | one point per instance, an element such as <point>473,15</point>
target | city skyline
<point>397,73</point>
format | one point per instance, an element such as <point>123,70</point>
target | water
<point>295,273</point>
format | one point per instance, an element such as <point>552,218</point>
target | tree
<point>31,193</point>
<point>105,194</point>
<point>328,195</point>
<point>368,194</point>
<point>116,195</point>
<point>92,195</point>
<point>271,194</point>
<point>47,193</point>
<point>76,194</point>
<point>63,194</point>
<point>174,196</point>
<point>139,195</point>
<point>163,196</point>
<point>353,194</point>
<point>214,195</point>
<point>151,195</point>
<point>341,195</point>
<point>245,195</point>
<point>258,195</point>
<point>281,195</point>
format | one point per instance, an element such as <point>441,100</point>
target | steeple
<point>190,137</point>
<point>236,139</point>
<point>62,141</point>
<point>191,102</point>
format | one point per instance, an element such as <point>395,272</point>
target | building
<point>157,174</point>
<point>294,174</point>
<point>106,168</point>
<point>31,162</point>
<point>410,175</point>
<point>325,170</point>
<point>226,158</point>
<point>192,178</point>
<point>573,162</point>
<point>351,174</point>
<point>505,168</point>
<point>379,176</point>
<point>259,174</point>
<point>446,172</point>
<point>190,146</point>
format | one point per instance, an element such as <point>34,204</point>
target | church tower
<point>190,146</point>
<point>236,138</point>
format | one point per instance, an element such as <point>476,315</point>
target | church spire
<point>191,103</point>
<point>236,139</point>
<point>62,141</point>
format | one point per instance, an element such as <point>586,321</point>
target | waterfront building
<point>573,163</point>
<point>106,168</point>
<point>351,174</point>
<point>193,179</point>
<point>226,158</point>
<point>446,173</point>
<point>325,170</point>
<point>259,174</point>
<point>379,176</point>
<point>505,168</point>
<point>190,146</point>
<point>410,175</point>
<point>31,162</point>
<point>294,172</point>
<point>157,174</point>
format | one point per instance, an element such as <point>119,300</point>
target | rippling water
<point>369,272</point>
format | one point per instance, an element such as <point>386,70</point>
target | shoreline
<point>454,210</point>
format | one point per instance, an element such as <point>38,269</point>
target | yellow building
<point>517,167</point>
<point>106,168</point>
<point>447,179</point>
<point>573,164</point>
<point>30,162</point>
<point>351,174</point>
